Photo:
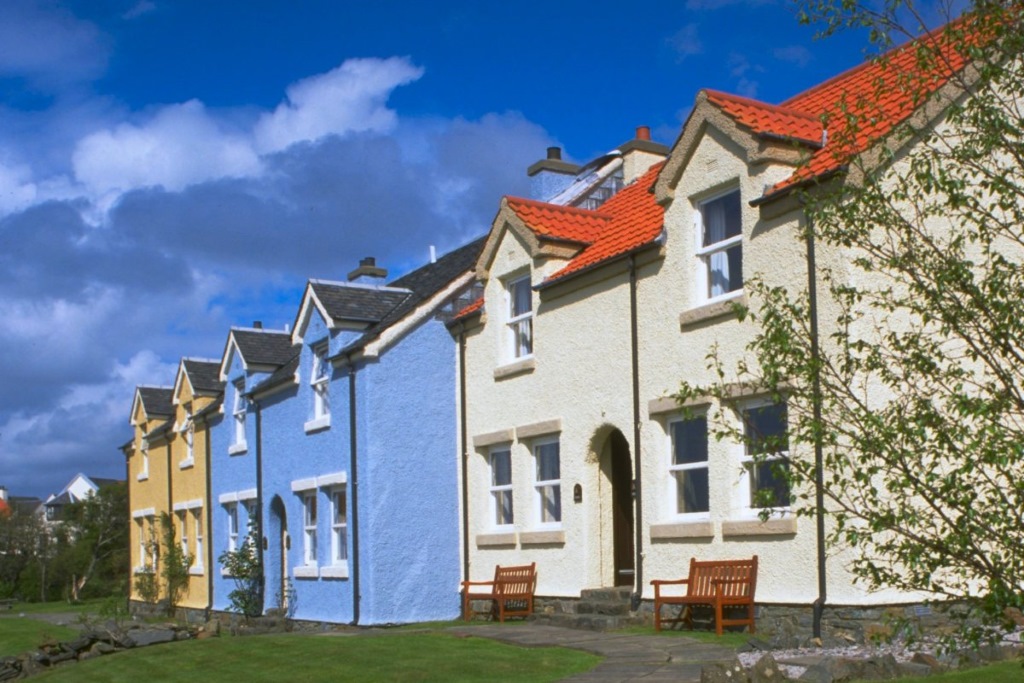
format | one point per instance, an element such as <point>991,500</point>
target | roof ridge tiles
<point>558,207</point>
<point>261,330</point>
<point>359,285</point>
<point>782,108</point>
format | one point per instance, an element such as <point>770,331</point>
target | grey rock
<point>718,672</point>
<point>928,660</point>
<point>881,668</point>
<point>142,638</point>
<point>102,648</point>
<point>912,669</point>
<point>766,670</point>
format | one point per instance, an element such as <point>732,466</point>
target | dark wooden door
<point>622,510</point>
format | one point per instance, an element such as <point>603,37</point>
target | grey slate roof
<point>203,375</point>
<point>382,307</point>
<point>263,347</point>
<point>105,481</point>
<point>361,304</point>
<point>157,400</point>
<point>425,282</point>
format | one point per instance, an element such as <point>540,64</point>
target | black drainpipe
<point>128,494</point>
<point>207,520</point>
<point>819,476</point>
<point>637,488</point>
<point>260,541</point>
<point>464,452</point>
<point>170,487</point>
<point>354,487</point>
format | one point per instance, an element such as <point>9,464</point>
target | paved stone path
<point>627,657</point>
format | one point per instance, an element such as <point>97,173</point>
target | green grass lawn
<point>395,656</point>
<point>20,634</point>
<point>1001,672</point>
<point>90,606</point>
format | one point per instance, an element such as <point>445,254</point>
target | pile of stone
<point>96,641</point>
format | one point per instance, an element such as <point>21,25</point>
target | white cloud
<point>686,42</point>
<point>793,54</point>
<point>350,98</point>
<point>139,9</point>
<point>17,191</point>
<point>180,146</point>
<point>48,45</point>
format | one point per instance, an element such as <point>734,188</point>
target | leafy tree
<point>20,536</point>
<point>244,567</point>
<point>175,564</point>
<point>914,389</point>
<point>100,530</point>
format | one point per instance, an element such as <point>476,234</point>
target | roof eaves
<point>598,264</point>
<point>806,182</point>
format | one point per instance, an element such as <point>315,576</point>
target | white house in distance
<point>576,456</point>
<point>78,489</point>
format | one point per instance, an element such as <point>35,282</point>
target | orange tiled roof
<point>855,108</point>
<point>559,222</point>
<point>628,220</point>
<point>468,310</point>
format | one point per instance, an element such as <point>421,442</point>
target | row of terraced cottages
<point>512,401</point>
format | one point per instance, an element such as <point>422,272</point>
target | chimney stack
<point>551,175</point>
<point>367,271</point>
<point>3,493</point>
<point>643,132</point>
<point>257,324</point>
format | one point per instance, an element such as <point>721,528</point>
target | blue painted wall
<point>408,491</point>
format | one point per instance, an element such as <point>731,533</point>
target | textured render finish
<point>147,492</point>
<point>188,484</point>
<point>582,376</point>
<point>232,475</point>
<point>408,490</point>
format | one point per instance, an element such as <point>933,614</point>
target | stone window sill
<point>519,367</point>
<point>496,540</point>
<point>308,571</point>
<point>755,527</point>
<point>196,571</point>
<point>334,572</point>
<point>683,530</point>
<point>542,538</point>
<point>186,463</point>
<point>142,477</point>
<point>317,425</point>
<point>238,448</point>
<point>710,313</point>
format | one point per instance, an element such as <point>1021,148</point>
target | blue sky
<point>171,168</point>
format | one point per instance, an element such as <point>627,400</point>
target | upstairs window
<point>320,381</point>
<point>720,227</point>
<point>689,466</point>
<point>520,317</point>
<point>239,411</point>
<point>549,482</point>
<point>766,456</point>
<point>501,487</point>
<point>232,516</point>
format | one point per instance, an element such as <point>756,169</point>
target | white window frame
<point>188,433</point>
<point>197,521</point>
<point>140,523</point>
<point>239,412</point>
<point>320,379</point>
<point>339,526</point>
<point>748,504</point>
<point>232,518</point>
<point>706,252</point>
<point>499,491</point>
<point>309,528</point>
<point>144,473</point>
<point>674,469</point>
<point>541,484</point>
<point>183,540</point>
<point>517,322</point>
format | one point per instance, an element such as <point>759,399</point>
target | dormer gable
<point>345,305</point>
<point>151,403</point>
<point>197,378</point>
<point>257,350</point>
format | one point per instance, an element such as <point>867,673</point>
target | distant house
<point>77,490</point>
<point>21,505</point>
<point>349,465</point>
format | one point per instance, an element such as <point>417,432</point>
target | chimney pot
<point>257,324</point>
<point>368,261</point>
<point>367,271</point>
<point>643,132</point>
<point>554,153</point>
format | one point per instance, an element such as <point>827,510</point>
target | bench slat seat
<point>511,592</point>
<point>717,584</point>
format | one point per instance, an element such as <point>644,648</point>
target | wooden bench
<point>511,592</point>
<point>718,584</point>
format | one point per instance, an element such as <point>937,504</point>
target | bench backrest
<point>520,580</point>
<point>742,576</point>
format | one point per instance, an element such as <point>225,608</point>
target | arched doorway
<point>277,560</point>
<point>620,474</point>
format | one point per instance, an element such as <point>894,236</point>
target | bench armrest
<point>467,584</point>
<point>669,582</point>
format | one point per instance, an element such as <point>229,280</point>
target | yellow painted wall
<point>147,489</point>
